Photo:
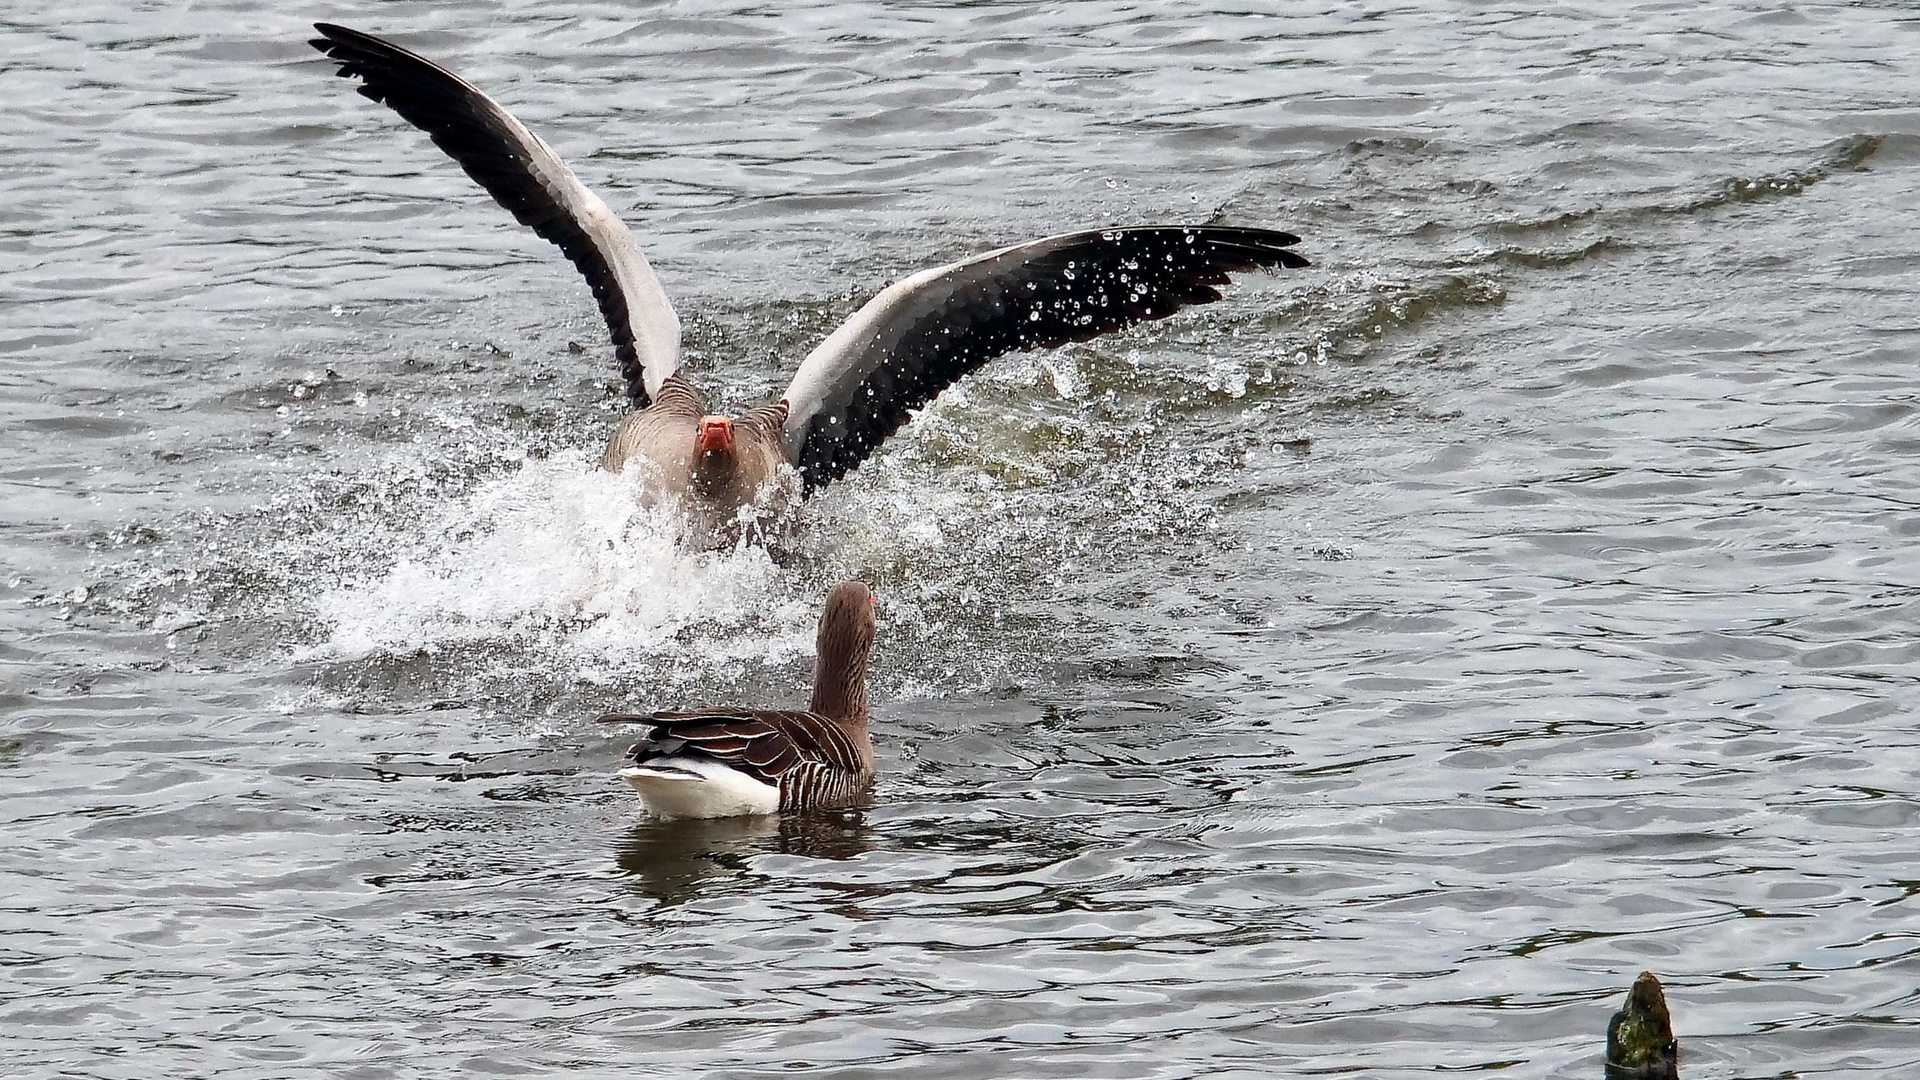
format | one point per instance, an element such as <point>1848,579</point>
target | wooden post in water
<point>1640,1043</point>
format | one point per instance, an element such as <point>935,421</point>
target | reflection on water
<point>671,861</point>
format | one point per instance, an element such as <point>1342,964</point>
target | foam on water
<point>561,554</point>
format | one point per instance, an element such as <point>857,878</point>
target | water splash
<point>560,554</point>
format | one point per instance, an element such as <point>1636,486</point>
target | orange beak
<point>716,435</point>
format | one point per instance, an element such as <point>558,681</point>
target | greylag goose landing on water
<point>728,762</point>
<point>894,355</point>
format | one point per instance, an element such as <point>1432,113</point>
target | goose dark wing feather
<point>773,755</point>
<point>764,744</point>
<point>831,742</point>
<point>921,334</point>
<point>527,178</point>
<point>723,745</point>
<point>727,726</point>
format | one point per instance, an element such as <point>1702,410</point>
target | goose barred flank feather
<point>817,786</point>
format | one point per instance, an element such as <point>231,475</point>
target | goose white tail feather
<point>692,787</point>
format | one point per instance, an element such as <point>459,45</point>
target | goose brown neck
<point>840,664</point>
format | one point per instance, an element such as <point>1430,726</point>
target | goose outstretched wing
<point>922,333</point>
<point>524,175</point>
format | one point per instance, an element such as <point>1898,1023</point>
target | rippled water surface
<point>1367,675</point>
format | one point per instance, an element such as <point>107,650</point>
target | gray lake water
<point>1366,676</point>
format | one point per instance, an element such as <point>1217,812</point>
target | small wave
<point>1841,155</point>
<point>1619,224</point>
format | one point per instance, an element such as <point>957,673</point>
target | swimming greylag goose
<point>906,345</point>
<point>728,762</point>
